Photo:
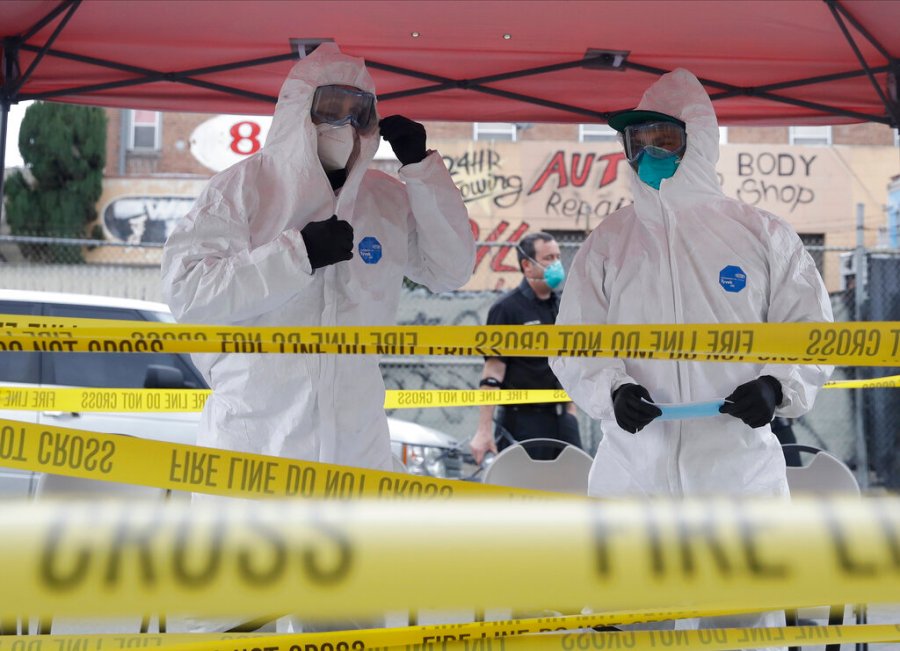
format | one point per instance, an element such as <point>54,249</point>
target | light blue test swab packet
<point>689,410</point>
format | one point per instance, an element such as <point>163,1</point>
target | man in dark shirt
<point>533,302</point>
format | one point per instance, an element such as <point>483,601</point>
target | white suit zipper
<point>675,483</point>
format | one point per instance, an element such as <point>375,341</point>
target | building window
<point>144,134</point>
<point>810,135</point>
<point>596,133</point>
<point>494,131</point>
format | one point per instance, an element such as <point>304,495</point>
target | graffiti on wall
<point>479,175</point>
<point>580,187</point>
<point>566,190</point>
<point>512,189</point>
<point>144,220</point>
<point>779,180</point>
<point>496,256</point>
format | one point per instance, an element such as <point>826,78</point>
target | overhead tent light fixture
<point>303,47</point>
<point>507,36</point>
<point>596,59</point>
<point>416,34</point>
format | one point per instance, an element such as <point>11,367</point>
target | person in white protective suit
<point>685,253</point>
<point>302,233</point>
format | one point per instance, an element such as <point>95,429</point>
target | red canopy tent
<point>764,62</point>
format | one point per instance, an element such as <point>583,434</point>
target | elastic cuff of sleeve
<point>621,382</point>
<point>776,388</point>
<point>492,382</point>
<point>423,169</point>
<point>295,237</point>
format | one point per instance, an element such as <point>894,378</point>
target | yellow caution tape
<point>369,638</point>
<point>408,399</point>
<point>889,382</point>
<point>23,398</point>
<point>497,639</point>
<point>361,559</point>
<point>710,640</point>
<point>852,344</point>
<point>174,466</point>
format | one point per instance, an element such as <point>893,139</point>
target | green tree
<point>64,149</point>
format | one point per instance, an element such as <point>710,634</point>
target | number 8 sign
<point>244,138</point>
<point>222,141</point>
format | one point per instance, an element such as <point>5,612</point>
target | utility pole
<point>859,291</point>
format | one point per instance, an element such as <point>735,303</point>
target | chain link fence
<point>132,271</point>
<point>80,266</point>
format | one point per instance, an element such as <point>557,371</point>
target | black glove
<point>407,138</point>
<point>328,241</point>
<point>632,413</point>
<point>754,402</point>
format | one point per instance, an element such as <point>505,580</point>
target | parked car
<point>423,450</point>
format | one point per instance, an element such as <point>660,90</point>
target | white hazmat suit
<point>238,258</point>
<point>688,254</point>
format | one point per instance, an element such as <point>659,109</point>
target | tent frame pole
<point>892,108</point>
<point>13,78</point>
<point>148,76</point>
<point>807,81</point>
<point>834,4</point>
<point>731,91</point>
<point>10,62</point>
<point>72,8</point>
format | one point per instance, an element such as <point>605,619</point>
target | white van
<point>425,451</point>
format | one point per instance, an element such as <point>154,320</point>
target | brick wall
<point>449,130</point>
<point>530,131</point>
<point>176,136</point>
<point>113,131</point>
<point>862,134</point>
<point>174,156</point>
<point>868,133</point>
<point>538,131</point>
<point>758,135</point>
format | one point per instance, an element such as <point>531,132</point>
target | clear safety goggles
<point>658,139</point>
<point>339,105</point>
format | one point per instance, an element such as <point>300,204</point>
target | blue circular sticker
<point>732,278</point>
<point>370,250</point>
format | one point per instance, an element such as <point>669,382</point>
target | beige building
<point>517,178</point>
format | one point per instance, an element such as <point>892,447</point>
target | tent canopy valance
<point>763,62</point>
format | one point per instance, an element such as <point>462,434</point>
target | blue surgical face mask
<point>554,274</point>
<point>653,169</point>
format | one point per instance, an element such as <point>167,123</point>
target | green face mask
<point>652,168</point>
<point>554,274</point>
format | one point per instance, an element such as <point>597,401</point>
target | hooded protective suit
<point>688,254</point>
<point>238,258</point>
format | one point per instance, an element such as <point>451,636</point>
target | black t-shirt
<point>522,307</point>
